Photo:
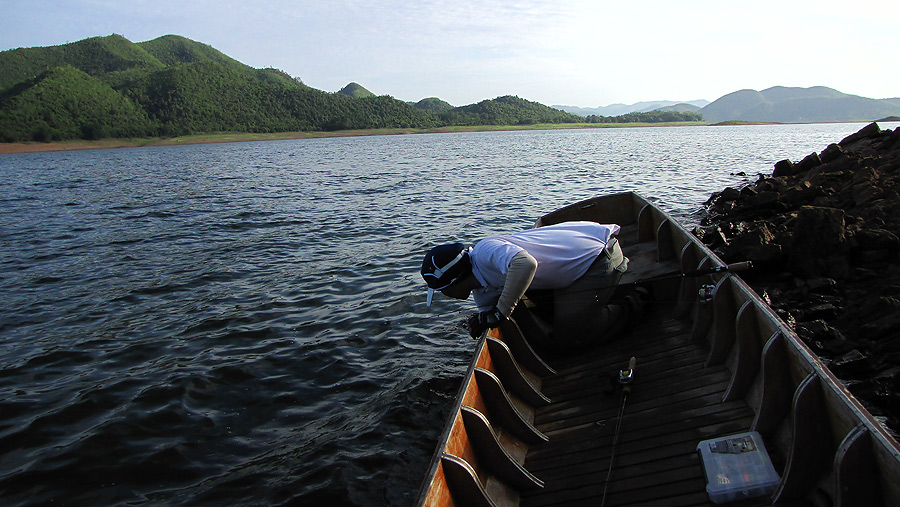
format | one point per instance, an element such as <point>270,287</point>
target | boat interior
<point>710,359</point>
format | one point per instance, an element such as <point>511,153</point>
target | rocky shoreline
<point>824,235</point>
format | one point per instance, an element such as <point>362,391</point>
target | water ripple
<point>244,323</point>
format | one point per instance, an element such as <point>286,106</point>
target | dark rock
<point>877,239</point>
<point>821,285</point>
<point>829,226</point>
<point>831,153</point>
<point>809,162</point>
<point>822,311</point>
<point>783,168</point>
<point>887,324</point>
<point>870,130</point>
<point>865,192</point>
<point>756,243</point>
<point>874,256</point>
<point>797,195</point>
<point>760,200</point>
<point>711,236</point>
<point>851,364</point>
<point>817,242</point>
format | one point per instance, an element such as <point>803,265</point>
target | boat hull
<point>527,429</point>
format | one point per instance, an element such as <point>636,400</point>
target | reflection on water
<point>244,323</point>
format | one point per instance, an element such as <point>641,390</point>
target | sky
<point>586,53</point>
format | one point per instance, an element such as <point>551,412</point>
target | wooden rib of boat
<point>530,432</point>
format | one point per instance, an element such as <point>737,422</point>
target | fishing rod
<point>625,378</point>
<point>730,268</point>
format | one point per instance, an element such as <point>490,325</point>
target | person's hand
<point>482,321</point>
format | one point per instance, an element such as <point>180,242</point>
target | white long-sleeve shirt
<point>563,252</point>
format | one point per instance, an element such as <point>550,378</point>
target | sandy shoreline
<point>101,144</point>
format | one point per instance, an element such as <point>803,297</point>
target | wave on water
<point>245,323</point>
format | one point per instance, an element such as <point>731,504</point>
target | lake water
<point>245,323</point>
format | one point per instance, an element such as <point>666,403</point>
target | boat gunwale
<point>451,419</point>
<point>801,355</point>
<point>822,370</point>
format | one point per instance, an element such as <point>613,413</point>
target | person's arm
<point>518,278</point>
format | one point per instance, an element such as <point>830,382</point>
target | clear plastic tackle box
<point>737,467</point>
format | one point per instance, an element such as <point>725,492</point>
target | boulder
<point>757,243</point>
<point>831,153</point>
<point>869,131</point>
<point>784,168</point>
<point>817,242</point>
<point>825,235</point>
<point>810,161</point>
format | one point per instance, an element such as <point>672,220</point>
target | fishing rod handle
<point>739,266</point>
<point>626,376</point>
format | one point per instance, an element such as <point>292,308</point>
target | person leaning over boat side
<point>580,261</point>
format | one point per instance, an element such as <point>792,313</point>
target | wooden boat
<point>530,432</point>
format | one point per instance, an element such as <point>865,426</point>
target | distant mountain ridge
<point>111,87</point>
<point>782,104</point>
<point>638,107</point>
<point>778,104</point>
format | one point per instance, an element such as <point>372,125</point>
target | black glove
<point>480,322</point>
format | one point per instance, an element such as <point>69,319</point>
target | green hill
<point>355,91</point>
<point>785,104</point>
<point>433,104</point>
<point>174,49</point>
<point>66,103</point>
<point>508,110</point>
<point>680,107</point>
<point>171,85</point>
<point>104,57</point>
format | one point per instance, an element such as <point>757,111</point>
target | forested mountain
<point>66,103</point>
<point>784,104</point>
<point>112,87</point>
<point>108,58</point>
<point>507,110</point>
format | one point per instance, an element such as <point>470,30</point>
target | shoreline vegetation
<point>172,90</point>
<point>236,137</point>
